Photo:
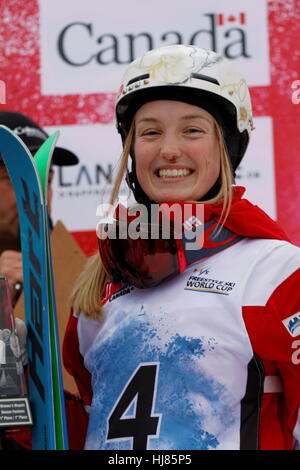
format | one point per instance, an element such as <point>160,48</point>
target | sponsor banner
<point>80,189</point>
<point>86,47</point>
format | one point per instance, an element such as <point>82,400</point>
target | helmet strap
<point>132,181</point>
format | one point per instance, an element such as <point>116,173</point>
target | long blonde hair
<point>86,295</point>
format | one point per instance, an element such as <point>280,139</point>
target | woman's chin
<point>171,197</point>
<point>169,194</point>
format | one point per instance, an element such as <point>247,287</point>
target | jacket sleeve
<point>285,303</point>
<point>274,331</point>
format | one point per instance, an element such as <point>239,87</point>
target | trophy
<point>14,403</point>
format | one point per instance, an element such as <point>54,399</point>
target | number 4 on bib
<point>132,416</point>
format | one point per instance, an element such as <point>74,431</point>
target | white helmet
<point>196,76</point>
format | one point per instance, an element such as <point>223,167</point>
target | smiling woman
<point>188,348</point>
<point>177,151</point>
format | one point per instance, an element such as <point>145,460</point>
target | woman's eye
<point>150,132</point>
<point>194,130</point>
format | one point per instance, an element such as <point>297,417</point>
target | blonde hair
<point>87,293</point>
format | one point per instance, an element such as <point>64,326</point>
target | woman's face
<point>176,150</point>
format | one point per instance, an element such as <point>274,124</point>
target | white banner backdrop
<point>78,190</point>
<point>84,48</point>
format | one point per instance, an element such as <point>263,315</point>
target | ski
<point>29,178</point>
<point>42,160</point>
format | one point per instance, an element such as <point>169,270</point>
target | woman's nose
<point>170,149</point>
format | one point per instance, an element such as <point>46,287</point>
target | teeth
<point>174,173</point>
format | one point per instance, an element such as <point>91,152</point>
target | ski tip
<point>44,154</point>
<point>8,138</point>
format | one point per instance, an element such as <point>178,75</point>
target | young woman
<point>189,348</point>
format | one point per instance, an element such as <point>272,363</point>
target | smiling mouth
<point>173,173</point>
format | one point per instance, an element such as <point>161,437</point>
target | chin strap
<point>132,181</point>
